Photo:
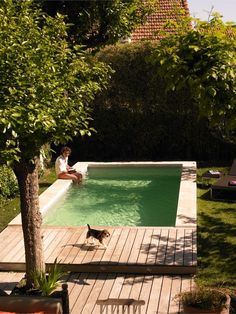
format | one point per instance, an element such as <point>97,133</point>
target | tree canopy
<point>45,89</point>
<point>94,23</point>
<point>45,85</point>
<point>203,59</point>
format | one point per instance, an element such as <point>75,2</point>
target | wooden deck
<point>146,250</point>
<point>85,289</point>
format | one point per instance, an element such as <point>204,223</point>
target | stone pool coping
<point>187,203</point>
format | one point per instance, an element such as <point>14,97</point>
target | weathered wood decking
<point>85,289</point>
<point>147,250</point>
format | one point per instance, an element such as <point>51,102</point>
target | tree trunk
<point>27,176</point>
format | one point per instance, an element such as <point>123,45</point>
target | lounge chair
<point>225,187</point>
<point>211,174</point>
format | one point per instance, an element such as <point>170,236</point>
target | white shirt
<point>61,164</point>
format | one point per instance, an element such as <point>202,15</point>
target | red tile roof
<point>165,10</point>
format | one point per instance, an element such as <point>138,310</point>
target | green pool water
<point>135,196</point>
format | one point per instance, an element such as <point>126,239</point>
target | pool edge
<point>187,202</point>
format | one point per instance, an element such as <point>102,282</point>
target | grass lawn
<point>216,240</point>
<point>11,208</point>
<point>216,234</point>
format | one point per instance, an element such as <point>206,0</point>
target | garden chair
<point>225,187</point>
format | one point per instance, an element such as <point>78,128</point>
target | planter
<point>190,309</point>
<point>27,304</point>
<point>57,303</point>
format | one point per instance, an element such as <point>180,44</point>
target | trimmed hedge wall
<point>136,120</point>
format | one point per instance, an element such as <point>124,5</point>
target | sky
<point>201,8</point>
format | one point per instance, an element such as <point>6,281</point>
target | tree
<point>95,23</point>
<point>45,89</point>
<point>203,59</point>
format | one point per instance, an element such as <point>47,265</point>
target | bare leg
<point>68,176</point>
<point>79,176</point>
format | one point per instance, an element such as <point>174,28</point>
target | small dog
<point>99,235</point>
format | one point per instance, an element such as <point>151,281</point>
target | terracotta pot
<point>26,304</point>
<point>190,309</point>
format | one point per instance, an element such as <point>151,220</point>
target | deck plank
<point>76,288</point>
<point>84,294</point>
<point>76,247</point>
<point>145,246</point>
<point>46,233</point>
<point>174,306</point>
<point>124,257</point>
<point>126,287</point>
<point>67,247</point>
<point>11,237</point>
<point>49,240</point>
<point>188,249</point>
<point>162,248</point>
<point>105,291</point>
<point>179,247</point>
<point>145,291</point>
<point>16,251</point>
<point>136,246</point>
<point>111,247</point>
<point>58,246</point>
<point>86,288</point>
<point>89,305</point>
<point>136,287</point>
<point>171,246</point>
<point>151,258</point>
<point>165,295</point>
<point>155,292</point>
<point>107,287</point>
<point>151,247</point>
<point>54,244</point>
<point>120,244</point>
<point>117,286</point>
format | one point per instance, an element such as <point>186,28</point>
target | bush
<point>203,298</point>
<point>8,182</point>
<point>136,120</point>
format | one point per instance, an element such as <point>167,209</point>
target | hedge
<point>136,119</point>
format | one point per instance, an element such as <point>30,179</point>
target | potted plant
<point>42,296</point>
<point>204,300</point>
<point>47,282</point>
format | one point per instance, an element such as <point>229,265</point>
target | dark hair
<point>65,149</point>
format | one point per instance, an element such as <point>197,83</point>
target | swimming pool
<point>186,215</point>
<point>118,196</point>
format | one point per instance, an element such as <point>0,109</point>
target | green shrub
<point>136,120</point>
<point>8,182</point>
<point>47,282</point>
<point>203,298</point>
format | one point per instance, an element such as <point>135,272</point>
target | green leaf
<point>211,91</point>
<point>195,48</point>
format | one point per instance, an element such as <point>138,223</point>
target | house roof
<point>165,10</point>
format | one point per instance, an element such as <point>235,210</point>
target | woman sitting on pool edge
<point>63,170</point>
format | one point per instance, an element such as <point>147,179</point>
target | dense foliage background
<point>136,119</point>
<point>95,23</point>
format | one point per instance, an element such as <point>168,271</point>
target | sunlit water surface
<point>134,196</point>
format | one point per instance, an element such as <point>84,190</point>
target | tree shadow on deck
<point>176,250</point>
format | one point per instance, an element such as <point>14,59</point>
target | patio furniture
<point>225,187</point>
<point>211,174</point>
<point>125,305</point>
